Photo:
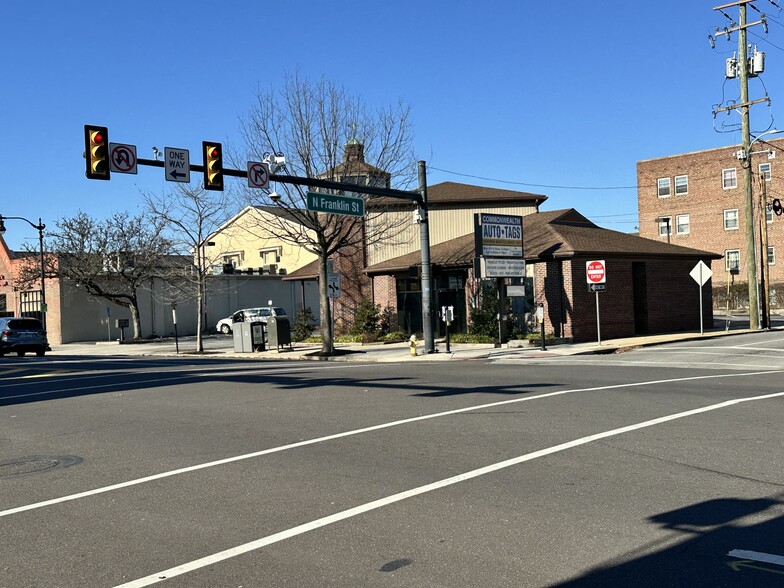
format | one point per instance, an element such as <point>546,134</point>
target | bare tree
<point>326,132</point>
<point>190,215</point>
<point>110,259</point>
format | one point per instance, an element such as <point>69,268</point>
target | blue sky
<point>543,97</point>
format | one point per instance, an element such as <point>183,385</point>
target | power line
<point>446,171</point>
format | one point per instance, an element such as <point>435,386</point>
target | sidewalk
<point>221,346</point>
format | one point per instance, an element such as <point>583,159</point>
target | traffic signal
<point>213,165</point>
<point>96,152</point>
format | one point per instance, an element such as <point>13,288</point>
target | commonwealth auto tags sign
<point>500,235</point>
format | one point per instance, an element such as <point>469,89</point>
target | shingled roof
<point>556,234</point>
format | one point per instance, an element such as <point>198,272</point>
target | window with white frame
<point>771,256</point>
<point>765,171</point>
<point>233,259</point>
<point>665,222</point>
<point>681,185</point>
<point>769,213</point>
<point>732,259</point>
<point>270,255</point>
<point>729,178</point>
<point>731,219</point>
<point>682,224</point>
<point>664,187</point>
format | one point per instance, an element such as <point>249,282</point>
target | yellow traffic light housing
<point>96,152</point>
<point>213,165</point>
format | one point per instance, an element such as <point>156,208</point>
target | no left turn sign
<point>595,272</point>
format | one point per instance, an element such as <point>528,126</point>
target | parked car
<point>247,314</point>
<point>22,334</point>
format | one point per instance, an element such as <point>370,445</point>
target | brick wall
<point>570,308</point>
<point>705,203</point>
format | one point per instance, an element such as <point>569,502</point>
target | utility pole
<point>740,68</point>
<point>765,290</point>
<point>748,204</point>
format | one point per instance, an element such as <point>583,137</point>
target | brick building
<point>700,198</point>
<point>649,287</point>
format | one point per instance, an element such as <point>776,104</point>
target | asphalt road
<point>648,468</point>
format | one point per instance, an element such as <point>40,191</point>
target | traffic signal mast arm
<point>309,182</point>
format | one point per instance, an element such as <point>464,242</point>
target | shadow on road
<point>697,552</point>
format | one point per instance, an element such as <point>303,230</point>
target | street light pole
<point>40,228</point>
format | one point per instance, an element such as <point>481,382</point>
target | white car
<point>248,314</point>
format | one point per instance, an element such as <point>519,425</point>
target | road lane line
<point>376,504</point>
<point>757,556</point>
<point>219,462</point>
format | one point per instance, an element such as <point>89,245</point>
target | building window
<point>729,178</point>
<point>234,260</point>
<point>271,255</point>
<point>664,187</point>
<point>765,171</point>
<point>665,222</point>
<point>682,224</point>
<point>771,256</point>
<point>732,259</point>
<point>769,213</point>
<point>731,219</point>
<point>681,185</point>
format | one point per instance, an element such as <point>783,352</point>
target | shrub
<point>302,327</point>
<point>366,318</point>
<point>470,338</point>
<point>394,337</point>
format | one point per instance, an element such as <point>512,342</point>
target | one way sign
<point>178,164</point>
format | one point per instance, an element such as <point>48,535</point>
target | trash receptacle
<point>236,332</point>
<point>248,336</point>
<point>278,331</point>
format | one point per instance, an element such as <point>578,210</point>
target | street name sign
<point>122,158</point>
<point>177,165</point>
<point>333,204</point>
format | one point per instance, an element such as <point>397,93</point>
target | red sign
<point>595,272</point>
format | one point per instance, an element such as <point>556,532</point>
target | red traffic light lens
<point>97,137</point>
<point>214,152</point>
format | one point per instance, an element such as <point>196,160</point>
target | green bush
<point>349,338</point>
<point>471,338</point>
<point>366,317</point>
<point>303,324</point>
<point>394,337</point>
<point>484,317</point>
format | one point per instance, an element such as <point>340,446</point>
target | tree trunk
<point>327,346</point>
<point>133,305</point>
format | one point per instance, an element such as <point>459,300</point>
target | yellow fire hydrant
<point>413,343</point>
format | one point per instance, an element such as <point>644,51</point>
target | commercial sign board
<point>498,235</point>
<point>498,267</point>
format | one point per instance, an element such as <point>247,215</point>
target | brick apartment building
<point>699,197</point>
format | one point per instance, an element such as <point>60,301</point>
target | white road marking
<point>376,504</point>
<point>219,462</point>
<point>757,556</point>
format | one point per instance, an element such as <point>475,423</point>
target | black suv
<point>20,334</point>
